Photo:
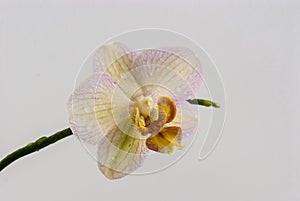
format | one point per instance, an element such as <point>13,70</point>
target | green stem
<point>46,141</point>
<point>34,146</point>
<point>206,103</point>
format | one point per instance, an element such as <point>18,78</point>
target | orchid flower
<point>135,103</point>
<point>132,104</point>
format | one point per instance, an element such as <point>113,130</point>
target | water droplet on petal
<point>186,92</point>
<point>178,90</point>
<point>88,109</point>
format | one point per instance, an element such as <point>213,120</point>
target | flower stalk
<point>46,141</point>
<point>34,146</point>
<point>206,103</point>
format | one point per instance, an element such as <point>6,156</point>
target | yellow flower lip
<point>166,105</point>
<point>162,139</point>
<point>166,140</point>
<point>166,113</point>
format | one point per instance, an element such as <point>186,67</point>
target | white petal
<point>90,108</point>
<point>159,80</point>
<point>120,154</point>
<point>181,60</point>
<point>116,59</point>
<point>113,58</point>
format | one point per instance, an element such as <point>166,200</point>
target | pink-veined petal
<point>116,59</point>
<point>181,60</point>
<point>90,108</point>
<point>119,154</point>
<point>113,58</point>
<point>158,80</point>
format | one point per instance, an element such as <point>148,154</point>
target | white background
<point>255,44</point>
